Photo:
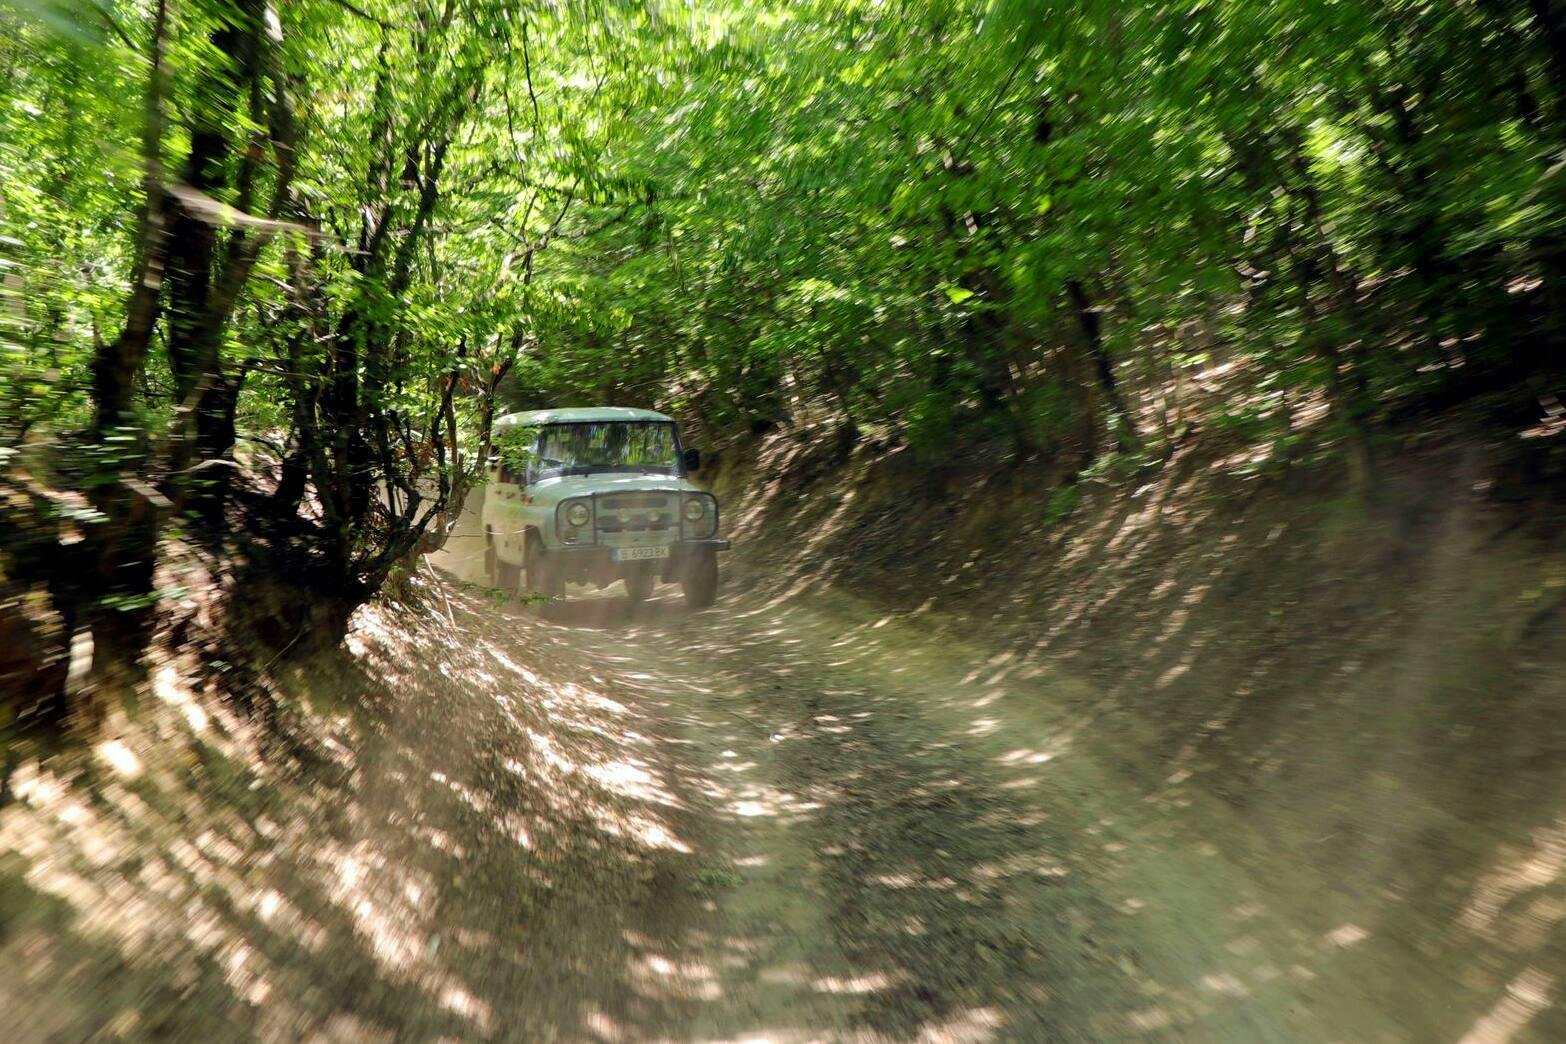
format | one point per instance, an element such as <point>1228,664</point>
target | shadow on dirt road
<point>790,818</point>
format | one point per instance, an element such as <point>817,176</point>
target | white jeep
<point>594,496</point>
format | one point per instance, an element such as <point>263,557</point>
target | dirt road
<point>892,838</point>
<point>790,818</point>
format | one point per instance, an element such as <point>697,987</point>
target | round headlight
<point>694,510</point>
<point>579,514</point>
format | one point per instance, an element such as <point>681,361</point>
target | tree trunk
<point>1550,16</point>
<point>120,551</point>
<point>204,283</point>
<point>1092,333</point>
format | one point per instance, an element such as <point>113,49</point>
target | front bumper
<point>678,549</point>
<point>593,562</point>
<point>715,544</point>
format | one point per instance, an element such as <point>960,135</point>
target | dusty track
<point>791,818</point>
<point>910,850</point>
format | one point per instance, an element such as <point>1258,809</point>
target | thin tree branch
<point>354,9</point>
<point>527,69</point>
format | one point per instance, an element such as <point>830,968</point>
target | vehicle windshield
<point>581,449</point>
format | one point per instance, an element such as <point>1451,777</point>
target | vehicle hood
<point>558,489</point>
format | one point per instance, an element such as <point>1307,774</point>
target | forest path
<point>853,828</point>
<point>789,818</point>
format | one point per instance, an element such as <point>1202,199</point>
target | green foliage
<point>515,445</point>
<point>927,424</point>
<point>710,879</point>
<point>1062,504</point>
<point>893,231</point>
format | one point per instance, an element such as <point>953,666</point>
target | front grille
<point>636,513</point>
<point>632,501</point>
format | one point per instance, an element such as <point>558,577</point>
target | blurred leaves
<point>85,22</point>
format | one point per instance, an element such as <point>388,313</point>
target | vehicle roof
<point>578,415</point>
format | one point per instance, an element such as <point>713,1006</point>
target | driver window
<point>513,464</point>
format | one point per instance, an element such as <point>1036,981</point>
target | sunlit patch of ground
<point>460,860</point>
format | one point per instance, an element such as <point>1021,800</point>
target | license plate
<point>636,554</point>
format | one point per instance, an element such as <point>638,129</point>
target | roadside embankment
<point>1360,700</point>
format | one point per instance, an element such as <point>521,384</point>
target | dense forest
<point>270,271</point>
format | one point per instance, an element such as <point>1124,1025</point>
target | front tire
<point>543,576</point>
<point>502,574</point>
<point>639,585</point>
<point>700,582</point>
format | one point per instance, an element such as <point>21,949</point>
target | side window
<point>515,451</point>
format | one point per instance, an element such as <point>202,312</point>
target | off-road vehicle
<point>598,495</point>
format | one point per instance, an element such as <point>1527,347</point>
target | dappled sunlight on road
<point>923,867</point>
<point>789,818</point>
<point>462,838</point>
<point>1265,952</point>
<point>619,838</point>
<point>1307,713</point>
<point>1526,996</point>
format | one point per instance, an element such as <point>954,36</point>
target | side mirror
<point>692,460</point>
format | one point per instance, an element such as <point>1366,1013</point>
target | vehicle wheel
<point>501,574</point>
<point>543,576</point>
<point>639,585</point>
<point>491,560</point>
<point>701,581</point>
